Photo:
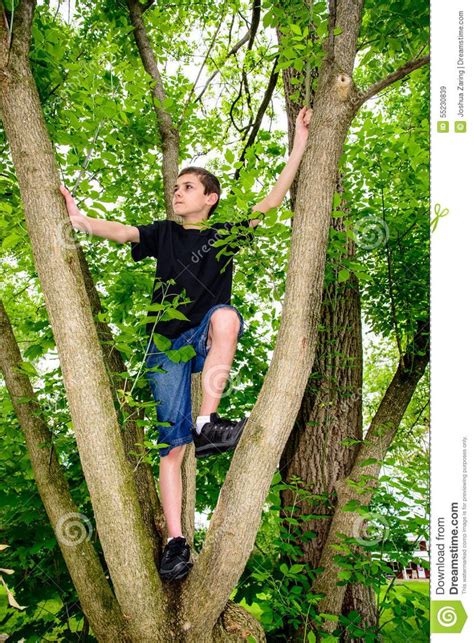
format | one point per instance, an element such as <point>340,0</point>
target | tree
<point>328,432</point>
<point>201,610</point>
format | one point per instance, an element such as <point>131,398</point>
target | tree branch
<point>249,37</point>
<point>15,30</point>
<point>260,114</point>
<point>331,27</point>
<point>125,543</point>
<point>392,78</point>
<point>256,8</point>
<point>168,132</point>
<point>187,101</point>
<point>97,599</point>
<point>361,483</point>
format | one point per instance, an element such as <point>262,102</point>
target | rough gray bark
<point>331,410</point>
<point>236,624</point>
<point>367,465</point>
<point>361,599</point>
<point>97,600</point>
<point>126,546</point>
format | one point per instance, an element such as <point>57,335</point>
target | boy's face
<point>189,199</point>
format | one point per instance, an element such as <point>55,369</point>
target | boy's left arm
<point>284,181</point>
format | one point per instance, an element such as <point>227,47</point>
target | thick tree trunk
<point>237,515</point>
<point>333,390</point>
<point>331,410</point>
<point>330,414</point>
<point>367,465</point>
<point>126,546</point>
<point>132,435</point>
<point>97,600</point>
<point>361,599</point>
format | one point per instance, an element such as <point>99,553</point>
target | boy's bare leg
<point>171,489</point>
<point>222,336</point>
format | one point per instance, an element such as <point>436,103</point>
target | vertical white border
<point>452,337</point>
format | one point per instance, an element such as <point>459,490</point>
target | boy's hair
<point>210,182</point>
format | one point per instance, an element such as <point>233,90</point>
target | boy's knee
<point>225,321</point>
<point>175,454</point>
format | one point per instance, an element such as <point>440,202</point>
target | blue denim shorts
<point>171,390</point>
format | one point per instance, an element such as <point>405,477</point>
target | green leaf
<point>343,275</point>
<point>330,617</point>
<point>28,369</point>
<point>296,29</point>
<point>368,461</point>
<point>352,505</point>
<point>172,313</point>
<point>162,343</point>
<point>183,354</point>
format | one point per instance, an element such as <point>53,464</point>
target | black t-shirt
<point>189,258</point>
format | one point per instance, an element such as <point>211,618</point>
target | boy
<point>208,323</point>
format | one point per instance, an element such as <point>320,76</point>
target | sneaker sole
<point>178,572</point>
<point>215,449</point>
<point>212,449</point>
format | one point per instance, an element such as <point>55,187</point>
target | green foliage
<point>275,580</point>
<point>390,222</point>
<point>96,99</point>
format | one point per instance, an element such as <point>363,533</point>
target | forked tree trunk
<point>361,483</point>
<point>198,609</point>
<point>127,547</point>
<point>128,550</point>
<point>96,597</point>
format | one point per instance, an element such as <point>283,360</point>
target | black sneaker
<point>175,562</point>
<point>217,435</point>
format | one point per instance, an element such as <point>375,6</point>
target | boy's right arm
<point>113,230</point>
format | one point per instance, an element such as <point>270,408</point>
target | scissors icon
<point>439,214</point>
